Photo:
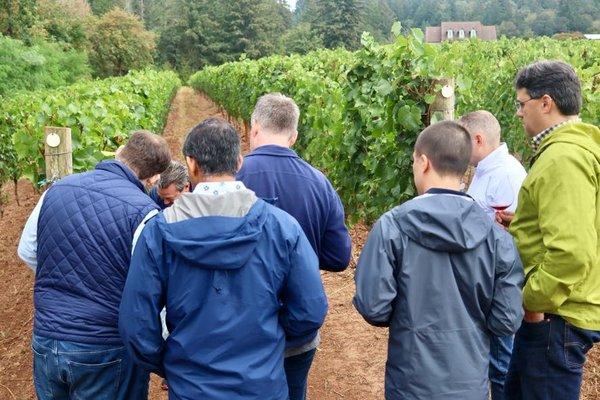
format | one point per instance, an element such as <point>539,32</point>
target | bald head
<point>485,130</point>
<point>482,122</point>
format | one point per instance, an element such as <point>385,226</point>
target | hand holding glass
<point>499,194</point>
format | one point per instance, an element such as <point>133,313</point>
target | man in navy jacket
<point>237,276</point>
<point>279,176</point>
<point>79,239</point>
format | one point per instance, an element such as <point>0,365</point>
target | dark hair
<point>447,145</point>
<point>176,174</point>
<point>557,79</point>
<point>146,154</point>
<point>215,145</point>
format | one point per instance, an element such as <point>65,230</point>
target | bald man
<point>498,178</point>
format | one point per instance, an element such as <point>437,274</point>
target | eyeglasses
<point>520,104</point>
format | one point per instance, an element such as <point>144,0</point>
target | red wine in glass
<point>499,193</point>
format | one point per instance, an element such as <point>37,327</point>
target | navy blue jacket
<point>279,176</point>
<point>85,230</point>
<point>234,289</point>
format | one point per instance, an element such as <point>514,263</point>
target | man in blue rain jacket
<point>237,276</point>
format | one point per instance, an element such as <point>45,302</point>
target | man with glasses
<point>556,229</point>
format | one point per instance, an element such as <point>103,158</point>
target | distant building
<point>455,30</point>
<point>592,36</point>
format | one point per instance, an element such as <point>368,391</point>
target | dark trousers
<point>296,373</point>
<point>500,353</point>
<point>547,361</point>
<point>69,370</point>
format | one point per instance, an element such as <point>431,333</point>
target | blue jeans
<point>547,361</point>
<point>500,352</point>
<point>80,371</point>
<point>296,373</point>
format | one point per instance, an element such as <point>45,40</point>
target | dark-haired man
<point>172,182</point>
<point>79,237</point>
<point>556,229</point>
<point>237,276</point>
<point>442,276</point>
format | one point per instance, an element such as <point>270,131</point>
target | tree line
<point>190,34</point>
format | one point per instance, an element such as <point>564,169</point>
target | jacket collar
<point>118,168</point>
<point>447,191</point>
<point>273,150</point>
<point>492,160</point>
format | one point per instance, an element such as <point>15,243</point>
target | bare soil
<point>349,364</point>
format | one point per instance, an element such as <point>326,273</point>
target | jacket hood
<point>445,222</point>
<point>579,133</point>
<point>214,232</point>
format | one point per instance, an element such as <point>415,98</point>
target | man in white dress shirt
<point>498,178</point>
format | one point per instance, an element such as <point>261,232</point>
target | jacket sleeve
<point>303,296</point>
<point>27,249</point>
<point>506,311</point>
<point>141,304</point>
<point>336,245</point>
<point>565,197</point>
<point>376,286</point>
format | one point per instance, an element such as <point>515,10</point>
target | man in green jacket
<point>556,228</point>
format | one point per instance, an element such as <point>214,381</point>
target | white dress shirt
<point>498,172</point>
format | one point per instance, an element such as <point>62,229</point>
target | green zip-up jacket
<point>557,223</point>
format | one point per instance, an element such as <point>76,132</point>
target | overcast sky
<point>292,3</point>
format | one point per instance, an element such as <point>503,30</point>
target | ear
<point>421,162</point>
<point>425,163</point>
<point>547,104</point>
<point>186,188</point>
<point>240,162</point>
<point>293,139</point>
<point>479,139</point>
<point>254,129</point>
<point>192,166</point>
<point>153,180</point>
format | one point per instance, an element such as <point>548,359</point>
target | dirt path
<point>349,364</point>
<point>187,110</point>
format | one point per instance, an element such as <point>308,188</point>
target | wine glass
<point>499,194</point>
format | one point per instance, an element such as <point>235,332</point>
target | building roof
<point>436,34</point>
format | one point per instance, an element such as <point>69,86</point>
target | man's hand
<point>534,317</point>
<point>504,218</point>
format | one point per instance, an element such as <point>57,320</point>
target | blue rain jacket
<point>235,289</point>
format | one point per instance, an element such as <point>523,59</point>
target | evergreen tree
<point>339,23</point>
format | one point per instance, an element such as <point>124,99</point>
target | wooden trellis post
<point>442,107</point>
<point>58,153</point>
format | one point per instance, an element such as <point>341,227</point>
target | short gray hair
<point>177,174</point>
<point>482,121</point>
<point>276,113</point>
